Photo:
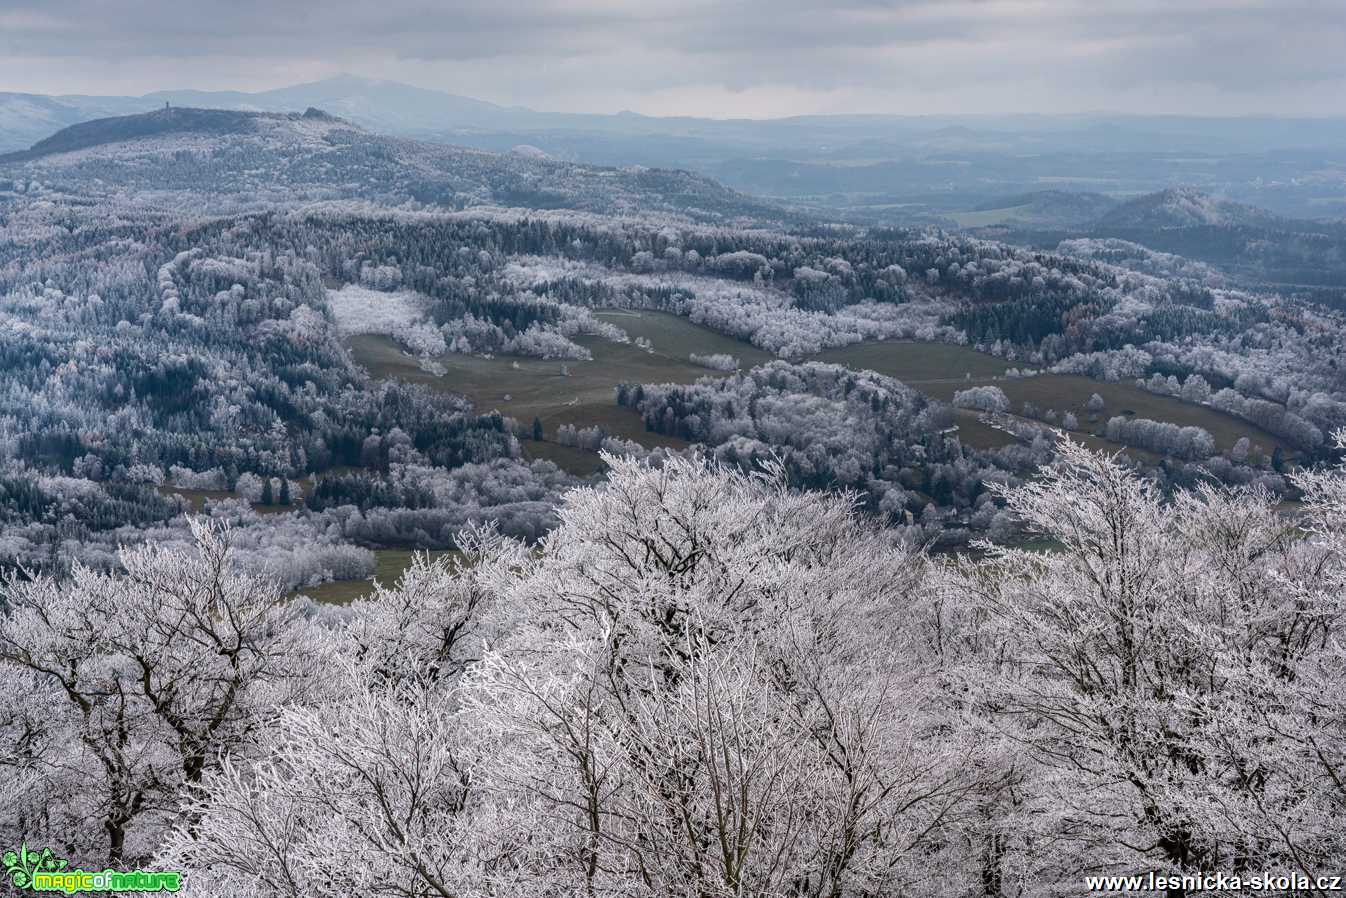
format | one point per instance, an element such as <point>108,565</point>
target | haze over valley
<point>876,169</point>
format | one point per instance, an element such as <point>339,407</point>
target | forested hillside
<point>167,343</point>
<point>209,161</point>
<point>1191,233</point>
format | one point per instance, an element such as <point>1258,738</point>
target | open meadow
<point>388,567</point>
<point>525,388</point>
<point>940,370</point>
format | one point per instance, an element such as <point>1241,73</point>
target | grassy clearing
<point>580,462</point>
<point>675,338</point>
<point>586,397</point>
<point>196,499</point>
<point>536,388</point>
<point>525,388</point>
<point>919,364</point>
<point>973,432</point>
<point>388,567</point>
<point>1069,392</point>
<point>940,370</point>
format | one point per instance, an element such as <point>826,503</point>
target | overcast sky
<point>753,58</point>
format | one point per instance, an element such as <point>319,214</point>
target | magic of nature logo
<point>42,871</point>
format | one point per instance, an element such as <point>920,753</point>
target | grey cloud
<point>869,53</point>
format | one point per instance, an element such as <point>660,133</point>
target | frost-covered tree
<point>1160,436</point>
<point>700,700</point>
<point>715,361</point>
<point>705,682</point>
<point>986,399</point>
<point>369,788</point>
<point>1159,669</point>
<point>132,686</point>
<point>702,683</point>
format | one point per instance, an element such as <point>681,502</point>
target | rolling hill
<point>870,169</point>
<point>1042,208</point>
<point>215,159</point>
<point>1183,231</point>
<point>1182,207</point>
<point>162,122</point>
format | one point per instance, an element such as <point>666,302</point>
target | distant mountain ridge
<point>407,110</point>
<point>386,106</point>
<point>169,120</point>
<point>1181,230</point>
<point>1182,207</point>
<point>1083,212</point>
<point>216,160</point>
<point>1052,208</point>
<point>898,170</point>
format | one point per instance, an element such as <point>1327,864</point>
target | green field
<point>676,337</point>
<point>586,397</point>
<point>919,364</point>
<point>196,499</point>
<point>1069,392</point>
<point>388,566</point>
<point>580,462</point>
<point>939,370</point>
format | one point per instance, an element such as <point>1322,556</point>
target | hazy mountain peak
<point>1181,207</point>
<point>528,151</point>
<point>1047,208</point>
<point>347,78</point>
<point>218,159</point>
<point>169,120</point>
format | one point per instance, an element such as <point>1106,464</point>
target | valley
<point>525,388</point>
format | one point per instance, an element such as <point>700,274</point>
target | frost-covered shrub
<point>720,361</point>
<point>213,479</point>
<point>985,399</point>
<point>1161,436</point>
